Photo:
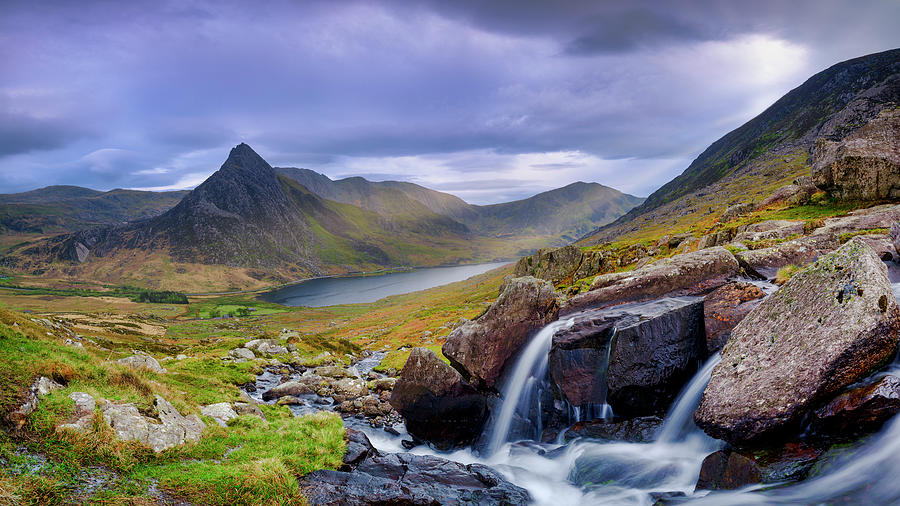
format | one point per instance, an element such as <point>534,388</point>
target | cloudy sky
<point>489,100</point>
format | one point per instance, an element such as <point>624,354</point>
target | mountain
<point>772,148</point>
<point>561,215</point>
<point>57,209</point>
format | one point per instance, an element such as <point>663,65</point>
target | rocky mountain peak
<point>242,156</point>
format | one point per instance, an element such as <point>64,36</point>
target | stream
<point>597,472</point>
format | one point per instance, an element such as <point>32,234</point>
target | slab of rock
<point>480,349</point>
<point>831,325</point>
<point>724,308</point>
<point>83,414</point>
<point>293,388</point>
<point>634,430</point>
<point>861,219</point>
<point>143,361</point>
<point>765,262</point>
<point>655,349</point>
<point>242,353</point>
<point>881,244</point>
<point>126,421</point>
<point>862,409</point>
<point>865,165</point>
<point>686,274</point>
<point>770,229</point>
<point>331,371</point>
<point>221,412</point>
<point>895,236</point>
<point>439,406</point>
<point>551,264</point>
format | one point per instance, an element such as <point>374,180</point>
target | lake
<point>361,289</point>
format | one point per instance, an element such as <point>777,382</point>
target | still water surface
<point>361,289</point>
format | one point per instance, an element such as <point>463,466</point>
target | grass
<point>869,231</point>
<point>785,273</point>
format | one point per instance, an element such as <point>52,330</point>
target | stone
<point>480,349</point>
<point>724,308</point>
<point>735,211</point>
<point>141,360</point>
<point>39,388</point>
<point>439,406</point>
<point>293,388</point>
<point>333,372</point>
<point>221,413</point>
<point>881,244</point>
<point>126,421</point>
<point>242,353</point>
<point>82,415</point>
<point>765,262</point>
<point>634,430</point>
<point>734,468</point>
<point>550,264</point>
<point>350,388</point>
<point>404,478</point>
<point>265,347</point>
<point>862,409</point>
<point>770,229</point>
<point>895,235</point>
<point>686,274</point>
<point>829,326</point>
<point>652,349</point>
<point>383,384</point>
<point>797,193</point>
<point>592,263</point>
<point>865,165</point>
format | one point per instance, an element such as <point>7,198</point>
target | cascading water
<point>519,393</point>
<point>679,420</point>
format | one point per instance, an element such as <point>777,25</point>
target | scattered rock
<point>724,308</point>
<point>831,325</point>
<point>221,413</point>
<point>333,372</point>
<point>687,274</point>
<point>795,194</point>
<point>635,430</point>
<point>141,360</point>
<point>862,409</point>
<point>770,229</point>
<point>438,405</point>
<point>481,348</point>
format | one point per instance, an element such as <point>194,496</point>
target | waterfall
<point>531,365</point>
<point>679,419</point>
<point>602,409</point>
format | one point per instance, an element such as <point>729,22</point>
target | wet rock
<point>831,325</point>
<point>481,348</point>
<point>765,262</point>
<point>265,347</point>
<point>221,412</point>
<point>242,353</point>
<point>289,400</point>
<point>359,448</point>
<point>635,430</point>
<point>293,388</point>
<point>248,408</point>
<point>865,165</point>
<point>403,478</point>
<point>656,348</point>
<point>727,471</point>
<point>724,308</point>
<point>862,409</point>
<point>551,264</point>
<point>439,406</point>
<point>687,274</point>
<point>142,360</point>
<point>731,468</point>
<point>383,384</point>
<point>735,211</point>
<point>350,388</point>
<point>333,372</point>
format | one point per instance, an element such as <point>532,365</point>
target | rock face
<point>862,409</point>
<point>828,327</point>
<point>724,308</point>
<point>143,361</point>
<point>866,164</point>
<point>655,349</point>
<point>686,274</point>
<point>369,478</point>
<point>480,349</point>
<point>553,265</point>
<point>439,406</point>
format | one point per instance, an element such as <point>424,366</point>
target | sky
<point>489,100</point>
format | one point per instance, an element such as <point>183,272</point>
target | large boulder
<point>732,468</point>
<point>480,349</point>
<point>686,274</point>
<point>770,229</point>
<point>551,264</point>
<point>894,233</point>
<point>634,356</point>
<point>292,388</point>
<point>141,360</point>
<point>861,409</point>
<point>172,428</point>
<point>265,347</point>
<point>220,412</point>
<point>439,406</point>
<point>797,193</point>
<point>865,165</point>
<point>724,308</point>
<point>829,326</point>
<point>765,262</point>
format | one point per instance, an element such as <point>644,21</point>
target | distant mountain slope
<point>57,209</point>
<point>773,147</point>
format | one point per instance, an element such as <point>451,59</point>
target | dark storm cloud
<point>451,94</point>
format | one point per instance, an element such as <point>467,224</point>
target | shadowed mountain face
<point>831,105</point>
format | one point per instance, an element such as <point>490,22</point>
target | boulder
<point>350,388</point>
<point>733,468</point>
<point>293,388</point>
<point>895,236</point>
<point>265,347</point>
<point>765,262</point>
<point>331,371</point>
<point>652,349</point>
<point>42,386</point>
<point>221,412</point>
<point>250,409</point>
<point>770,229</point>
<point>861,219</point>
<point>829,326</point>
<point>550,264</point>
<point>439,406</point>
<point>862,409</point>
<point>881,244</point>
<point>592,263</point>
<point>83,414</point>
<point>865,165</point>
<point>126,421</point>
<point>797,193</point>
<point>480,349</point>
<point>171,430</point>
<point>634,430</point>
<point>724,308</point>
<point>141,360</point>
<point>686,274</point>
<point>241,353</point>
<point>735,211</point>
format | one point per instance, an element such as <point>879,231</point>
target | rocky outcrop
<point>652,349</point>
<point>765,262</point>
<point>141,360</point>
<point>795,194</point>
<point>172,429</point>
<point>221,412</point>
<point>41,387</point>
<point>370,478</point>
<point>770,229</point>
<point>481,348</point>
<point>592,263</point>
<point>829,326</point>
<point>735,211</point>
<point>686,274</point>
<point>724,308</point>
<point>862,409</point>
<point>553,265</point>
<point>265,347</point>
<point>439,406</point>
<point>865,165</point>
